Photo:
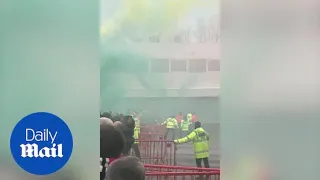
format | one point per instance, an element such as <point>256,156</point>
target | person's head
<point>112,141</point>
<point>129,121</point>
<point>197,124</point>
<point>126,168</point>
<point>116,118</point>
<point>189,115</point>
<point>104,120</point>
<point>117,123</point>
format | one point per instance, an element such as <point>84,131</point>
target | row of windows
<point>164,66</point>
<point>192,65</point>
<point>181,39</point>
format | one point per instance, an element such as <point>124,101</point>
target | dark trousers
<point>205,162</point>
<point>136,150</point>
<point>206,165</point>
<point>172,131</point>
<point>126,150</point>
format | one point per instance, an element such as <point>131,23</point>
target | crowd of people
<point>120,133</point>
<point>117,137</point>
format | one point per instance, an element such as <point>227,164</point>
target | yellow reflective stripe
<point>206,151</point>
<point>200,140</point>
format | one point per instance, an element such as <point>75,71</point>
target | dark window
<point>213,65</point>
<point>178,65</point>
<point>160,65</point>
<point>197,65</point>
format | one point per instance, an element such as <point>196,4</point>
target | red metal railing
<point>157,152</point>
<point>151,136</point>
<point>159,172</point>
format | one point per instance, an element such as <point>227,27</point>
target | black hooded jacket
<point>127,129</point>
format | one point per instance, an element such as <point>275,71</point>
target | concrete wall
<point>174,80</point>
<point>207,109</point>
<point>179,51</point>
<point>168,85</point>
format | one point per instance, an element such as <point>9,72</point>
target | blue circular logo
<point>41,143</point>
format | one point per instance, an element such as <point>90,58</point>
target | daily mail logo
<point>33,150</point>
<point>41,143</point>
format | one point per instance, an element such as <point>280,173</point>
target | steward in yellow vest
<point>171,124</point>
<point>200,139</point>
<point>136,133</point>
<point>185,127</point>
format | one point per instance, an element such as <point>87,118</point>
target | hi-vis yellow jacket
<point>171,123</point>
<point>137,123</point>
<point>136,130</point>
<point>136,135</point>
<point>200,139</point>
<point>185,125</point>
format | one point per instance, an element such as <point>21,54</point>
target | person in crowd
<point>128,132</point>
<point>121,116</point>
<point>117,124</point>
<point>135,145</point>
<point>106,115</point>
<point>171,125</point>
<point>190,118</point>
<point>200,140</point>
<point>179,118</point>
<point>112,143</point>
<point>194,117</point>
<point>104,120</point>
<point>185,123</point>
<point>116,118</point>
<point>126,168</point>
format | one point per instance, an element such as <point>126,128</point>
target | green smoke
<point>117,57</point>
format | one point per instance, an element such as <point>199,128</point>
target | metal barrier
<point>151,136</point>
<point>159,172</point>
<point>157,152</point>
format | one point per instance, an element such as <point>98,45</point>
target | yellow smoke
<point>141,12</point>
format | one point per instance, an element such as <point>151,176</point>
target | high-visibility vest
<point>136,135</point>
<point>200,139</point>
<point>185,125</point>
<point>137,124</point>
<point>171,123</point>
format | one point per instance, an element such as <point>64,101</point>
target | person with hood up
<point>127,128</point>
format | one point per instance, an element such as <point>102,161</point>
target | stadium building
<point>179,77</point>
